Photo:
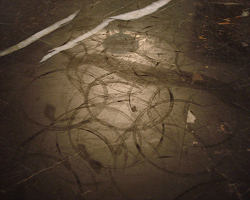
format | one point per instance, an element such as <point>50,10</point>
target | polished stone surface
<point>150,109</point>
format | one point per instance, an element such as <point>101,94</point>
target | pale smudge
<point>190,117</point>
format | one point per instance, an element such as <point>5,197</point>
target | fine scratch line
<point>38,35</point>
<point>126,16</point>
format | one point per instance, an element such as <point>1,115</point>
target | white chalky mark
<point>74,42</point>
<point>38,35</point>
<point>127,16</point>
<point>142,12</point>
<point>245,13</point>
<point>190,117</point>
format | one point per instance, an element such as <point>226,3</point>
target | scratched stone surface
<point>150,109</point>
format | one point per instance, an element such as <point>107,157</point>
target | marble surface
<point>155,108</point>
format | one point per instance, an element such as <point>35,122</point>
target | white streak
<point>74,42</point>
<point>127,16</point>
<point>142,12</point>
<point>38,35</point>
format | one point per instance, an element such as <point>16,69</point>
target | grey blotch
<point>120,43</point>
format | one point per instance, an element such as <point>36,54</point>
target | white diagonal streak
<point>38,35</point>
